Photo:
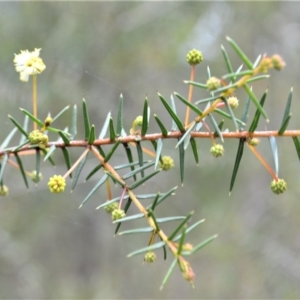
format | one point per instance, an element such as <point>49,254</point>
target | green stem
<point>34,99</point>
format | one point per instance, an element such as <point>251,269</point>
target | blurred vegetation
<point>50,249</point>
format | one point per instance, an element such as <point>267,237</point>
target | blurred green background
<point>97,50</point>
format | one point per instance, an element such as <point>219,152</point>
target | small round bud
<point>278,62</point>
<point>279,186</point>
<point>217,150</point>
<point>56,184</point>
<point>3,190</point>
<point>194,57</point>
<point>118,214</point>
<point>138,121</point>
<point>35,178</point>
<point>111,207</point>
<point>167,163</point>
<point>254,142</point>
<point>187,247</point>
<point>213,83</point>
<point>233,102</point>
<point>150,257</point>
<point>48,121</point>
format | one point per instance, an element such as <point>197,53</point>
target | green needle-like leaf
<point>171,113</point>
<point>140,156</point>
<point>274,149</point>
<point>144,179</point>
<point>115,179</point>
<point>189,229</point>
<point>181,241</point>
<point>146,114</point>
<point>78,171</point>
<point>94,189</point>
<point>129,156</point>
<point>49,152</point>
<point>287,115</point>
<point>92,135</point>
<point>73,130</point>
<point>186,137</point>
<point>203,244</point>
<point>45,152</point>
<point>225,88</point>
<point>245,114</point>
<point>181,162</point>
<point>216,127</point>
<point>67,158</point>
<point>240,53</point>
<point>151,214</point>
<point>170,219</point>
<point>8,139</point>
<point>60,113</point>
<point>220,126</point>
<point>109,201</point>
<point>224,114</point>
<point>18,126</point>
<point>138,170</point>
<point>207,99</point>
<point>259,105</point>
<point>94,171</point>
<point>297,145</point>
<point>256,78</point>
<point>123,166</point>
<point>130,218</point>
<point>257,114</point>
<point>146,249</point>
<point>190,105</point>
<point>32,117</point>
<point>86,119</point>
<point>19,162</point>
<point>2,165</point>
<point>197,84</point>
<point>25,127</point>
<point>164,196</point>
<point>112,133</point>
<point>195,149</point>
<point>158,152</point>
<point>20,146</point>
<point>120,116</point>
<point>64,137</point>
<point>178,228</point>
<point>238,158</point>
<point>257,61</point>
<point>37,164</point>
<point>138,230</point>
<point>155,202</point>
<point>166,278</point>
<point>233,76</point>
<point>163,129</point>
<point>105,126</point>
<point>231,114</point>
<point>227,61</point>
<point>284,125</point>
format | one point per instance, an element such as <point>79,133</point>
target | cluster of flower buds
<point>217,150</point>
<point>194,57</point>
<point>36,137</point>
<point>167,163</point>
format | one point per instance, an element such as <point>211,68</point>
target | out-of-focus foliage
<point>49,248</point>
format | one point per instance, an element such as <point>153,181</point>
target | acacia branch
<point>156,136</point>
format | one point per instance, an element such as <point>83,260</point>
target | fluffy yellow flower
<point>29,63</point>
